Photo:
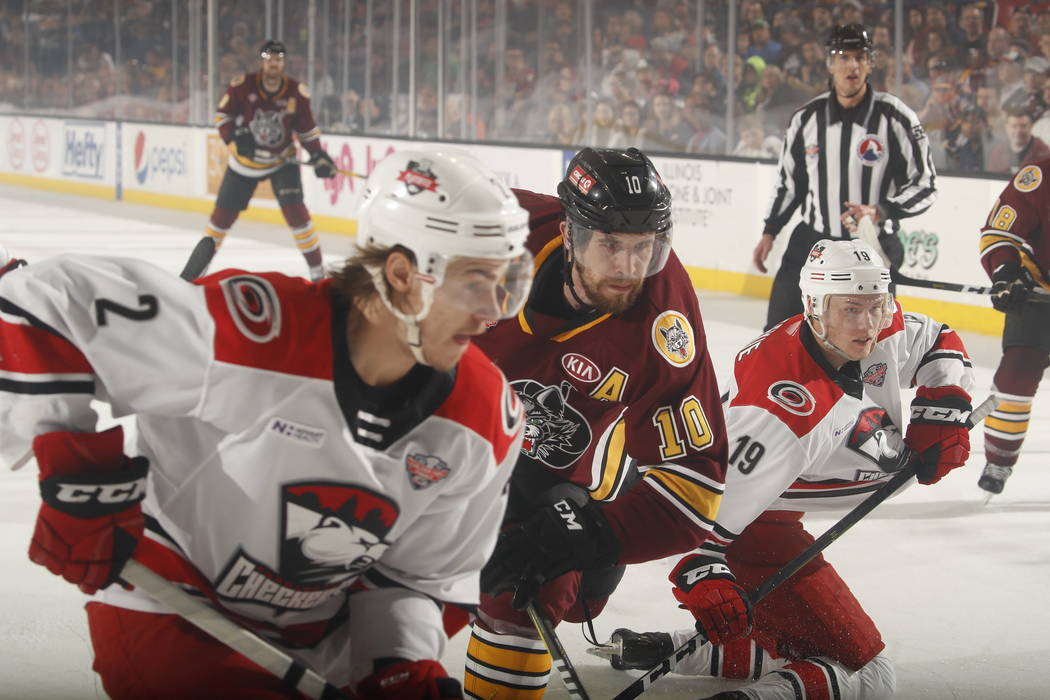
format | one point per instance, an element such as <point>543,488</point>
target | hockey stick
<point>348,173</point>
<point>566,670</point>
<point>866,232</point>
<point>640,685</point>
<point>292,673</point>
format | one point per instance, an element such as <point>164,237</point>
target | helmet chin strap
<point>413,332</point>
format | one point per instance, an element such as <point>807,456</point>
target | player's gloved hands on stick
<point>90,520</point>
<point>323,165</point>
<point>410,680</point>
<point>938,432</point>
<point>707,588</point>
<point>559,538</point>
<point>1010,286</point>
<point>242,136</point>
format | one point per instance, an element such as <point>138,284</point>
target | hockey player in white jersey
<point>812,415</point>
<point>325,463</point>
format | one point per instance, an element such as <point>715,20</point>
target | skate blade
<point>988,498</point>
<point>607,651</point>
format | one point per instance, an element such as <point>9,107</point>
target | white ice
<point>960,590</point>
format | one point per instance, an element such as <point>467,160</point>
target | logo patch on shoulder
<point>876,374</point>
<point>253,306</point>
<point>1029,178</point>
<point>792,397</point>
<point>673,338</point>
<point>425,470</point>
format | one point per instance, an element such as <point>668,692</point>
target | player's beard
<point>607,301</point>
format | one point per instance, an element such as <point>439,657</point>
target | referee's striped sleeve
<point>792,178</point>
<point>916,183</point>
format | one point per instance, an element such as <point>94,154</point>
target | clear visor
<point>858,312</point>
<point>626,256</point>
<point>486,288</point>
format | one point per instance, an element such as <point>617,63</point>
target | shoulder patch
<point>253,306</point>
<point>1029,178</point>
<point>792,397</point>
<point>238,80</point>
<point>673,337</point>
<point>225,100</point>
<point>304,91</point>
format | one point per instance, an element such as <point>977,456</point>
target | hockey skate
<point>994,477</point>
<point>627,650</point>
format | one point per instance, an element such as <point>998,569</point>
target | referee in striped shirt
<point>848,153</point>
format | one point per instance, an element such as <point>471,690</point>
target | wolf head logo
<point>555,433</point>
<point>677,339</point>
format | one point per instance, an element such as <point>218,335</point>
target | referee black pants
<point>785,299</point>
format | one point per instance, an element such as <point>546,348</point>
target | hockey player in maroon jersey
<point>624,450</point>
<point>258,115</point>
<point>325,463</point>
<point>1015,252</point>
<point>813,414</point>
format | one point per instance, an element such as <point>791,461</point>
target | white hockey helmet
<point>847,266</point>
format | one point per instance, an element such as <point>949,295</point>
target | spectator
<point>600,130</point>
<point>761,42</point>
<point>1029,96</point>
<point>1041,127</point>
<point>971,24</point>
<point>714,66</point>
<point>1009,73</point>
<point>1020,148</point>
<point>965,144</point>
<point>811,78</point>
<point>850,12</point>
<point>562,125</point>
<point>776,100</point>
<point>629,132</point>
<point>754,143</point>
<point>750,84</point>
<point>941,110</point>
<point>822,20</point>
<point>790,36</point>
<point>988,99</point>
<point>998,44</point>
<point>666,130</point>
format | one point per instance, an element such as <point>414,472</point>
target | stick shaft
<point>566,670</point>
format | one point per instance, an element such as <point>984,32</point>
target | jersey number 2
<point>104,306</point>
<point>696,428</point>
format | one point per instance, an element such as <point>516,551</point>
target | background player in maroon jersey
<point>258,114</point>
<point>813,411</point>
<point>625,448</point>
<point>1015,252</point>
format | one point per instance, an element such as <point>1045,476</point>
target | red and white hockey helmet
<point>849,266</point>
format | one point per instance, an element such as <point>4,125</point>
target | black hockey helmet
<point>615,190</point>
<point>272,46</point>
<point>849,37</point>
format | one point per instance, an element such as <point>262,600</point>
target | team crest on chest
<point>673,338</point>
<point>555,433</point>
<point>875,375</point>
<point>871,150</point>
<point>425,470</point>
<point>792,397</point>
<point>266,127</point>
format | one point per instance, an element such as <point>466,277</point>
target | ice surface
<point>960,590</point>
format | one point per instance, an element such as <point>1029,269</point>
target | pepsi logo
<point>579,367</point>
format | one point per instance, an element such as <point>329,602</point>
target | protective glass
<point>626,256</point>
<point>486,288</point>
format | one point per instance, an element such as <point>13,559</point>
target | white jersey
<point>804,436</point>
<point>279,482</point>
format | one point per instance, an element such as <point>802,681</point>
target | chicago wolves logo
<point>673,338</point>
<point>1029,178</point>
<point>418,176</point>
<point>555,432</point>
<point>330,534</point>
<point>266,128</point>
<point>425,470</point>
<point>876,374</point>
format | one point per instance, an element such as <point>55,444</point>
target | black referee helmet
<point>272,46</point>
<point>848,37</point>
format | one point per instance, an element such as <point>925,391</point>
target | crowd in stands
<point>977,73</point>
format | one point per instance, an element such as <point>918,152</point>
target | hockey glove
<point>562,537</point>
<point>324,168</point>
<point>707,588</point>
<point>410,680</point>
<point>1010,286</point>
<point>90,520</point>
<point>242,136</point>
<point>938,432</point>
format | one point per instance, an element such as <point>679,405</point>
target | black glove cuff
<point>94,495</point>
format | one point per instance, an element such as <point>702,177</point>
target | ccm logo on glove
<point>568,515</point>
<point>707,570</point>
<point>940,414</point>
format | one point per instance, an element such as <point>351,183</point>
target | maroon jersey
<point>607,393</point>
<point>272,117</point>
<point>1016,229</point>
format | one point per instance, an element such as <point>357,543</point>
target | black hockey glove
<point>242,136</point>
<point>324,168</point>
<point>562,537</point>
<point>1010,286</point>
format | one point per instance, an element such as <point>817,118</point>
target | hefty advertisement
<point>160,159</point>
<point>84,150</point>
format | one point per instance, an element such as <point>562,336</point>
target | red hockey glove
<point>938,431</point>
<point>91,517</point>
<point>410,680</point>
<point>706,587</point>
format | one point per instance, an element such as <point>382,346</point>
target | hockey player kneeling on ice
<point>326,464</point>
<point>813,413</point>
